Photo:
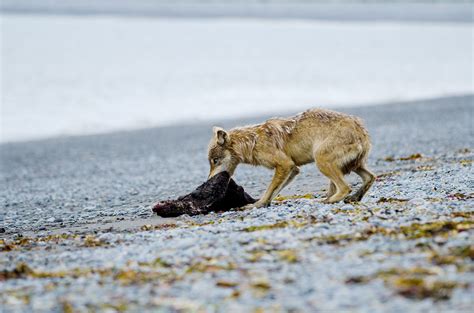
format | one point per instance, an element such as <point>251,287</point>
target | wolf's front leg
<point>281,176</point>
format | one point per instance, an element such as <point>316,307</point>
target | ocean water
<point>353,10</point>
<point>71,75</point>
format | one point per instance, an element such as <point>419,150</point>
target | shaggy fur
<point>337,142</point>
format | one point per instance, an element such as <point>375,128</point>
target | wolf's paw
<point>352,199</point>
<point>326,201</point>
<point>247,207</point>
<point>257,204</point>
<point>330,200</point>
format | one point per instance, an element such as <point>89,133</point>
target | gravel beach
<point>78,234</point>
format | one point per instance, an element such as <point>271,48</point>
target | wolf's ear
<point>221,135</point>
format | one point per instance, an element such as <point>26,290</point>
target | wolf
<point>338,143</point>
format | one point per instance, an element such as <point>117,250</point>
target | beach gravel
<point>78,233</point>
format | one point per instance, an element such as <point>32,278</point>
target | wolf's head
<point>220,153</point>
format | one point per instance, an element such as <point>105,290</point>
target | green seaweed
<point>20,271</point>
<point>413,283</point>
<point>414,156</point>
<point>115,307</point>
<point>210,267</point>
<point>461,196</point>
<point>418,288</point>
<point>160,262</point>
<point>458,256</point>
<point>412,231</point>
<point>226,284</point>
<point>423,168</point>
<point>466,162</point>
<point>282,224</point>
<point>469,214</point>
<point>92,241</point>
<point>288,255</point>
<point>391,200</point>
<point>437,228</point>
<point>32,242</point>
<point>261,287</point>
<point>293,197</point>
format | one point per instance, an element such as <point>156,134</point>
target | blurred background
<point>72,67</point>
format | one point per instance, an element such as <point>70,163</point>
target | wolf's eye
<point>215,160</point>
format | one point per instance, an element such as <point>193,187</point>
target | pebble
<point>417,202</point>
<point>347,207</point>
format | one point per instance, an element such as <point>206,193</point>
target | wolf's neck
<point>243,144</point>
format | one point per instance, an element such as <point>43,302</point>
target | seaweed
<point>414,156</point>
<point>294,197</point>
<point>422,168</point>
<point>459,256</point>
<point>20,271</point>
<point>288,255</point>
<point>466,162</point>
<point>219,193</point>
<point>92,241</point>
<point>436,228</point>
<point>210,266</point>
<point>21,242</point>
<point>384,176</point>
<point>418,288</point>
<point>460,196</point>
<point>466,214</point>
<point>416,283</point>
<point>391,200</point>
<point>226,284</point>
<point>412,231</point>
<point>281,224</point>
<point>260,286</point>
<point>148,227</point>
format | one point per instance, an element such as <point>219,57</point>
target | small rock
<point>416,202</point>
<point>347,207</point>
<point>185,243</point>
<point>51,219</point>
<point>2,230</point>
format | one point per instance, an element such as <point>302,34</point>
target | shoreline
<point>368,12</point>
<point>234,120</point>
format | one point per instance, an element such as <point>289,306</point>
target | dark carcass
<point>219,193</point>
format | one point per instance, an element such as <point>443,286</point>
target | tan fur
<point>337,142</point>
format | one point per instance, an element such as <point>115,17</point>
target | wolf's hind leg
<point>334,173</point>
<point>368,178</point>
<point>331,190</point>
